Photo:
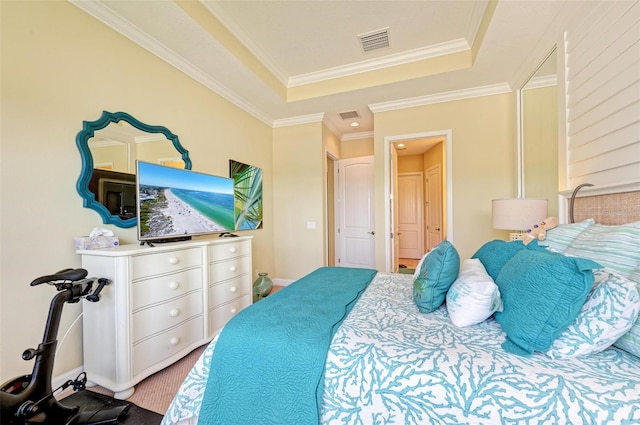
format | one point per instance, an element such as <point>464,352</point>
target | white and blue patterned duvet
<point>390,364</point>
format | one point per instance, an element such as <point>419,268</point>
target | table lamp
<point>518,214</point>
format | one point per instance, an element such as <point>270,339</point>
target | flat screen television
<point>175,203</point>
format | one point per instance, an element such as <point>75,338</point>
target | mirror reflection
<point>109,148</point>
<point>539,109</point>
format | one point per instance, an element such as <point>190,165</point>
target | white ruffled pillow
<point>611,309</point>
<point>474,296</point>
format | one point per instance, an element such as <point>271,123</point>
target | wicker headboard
<point>616,208</point>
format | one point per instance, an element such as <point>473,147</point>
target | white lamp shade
<point>518,213</point>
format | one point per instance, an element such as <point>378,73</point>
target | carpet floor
<point>89,400</point>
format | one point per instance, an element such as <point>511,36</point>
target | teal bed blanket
<point>269,360</point>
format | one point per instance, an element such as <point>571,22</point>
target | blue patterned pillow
<point>630,341</point>
<point>474,296</point>
<point>559,238</point>
<point>610,311</point>
<point>494,254</point>
<point>437,272</point>
<point>615,247</point>
<point>542,292</point>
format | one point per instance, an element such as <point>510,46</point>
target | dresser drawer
<point>165,262</point>
<point>150,291</point>
<point>160,317</point>
<point>229,250</point>
<point>220,315</point>
<point>162,346</point>
<point>229,269</point>
<point>220,293</point>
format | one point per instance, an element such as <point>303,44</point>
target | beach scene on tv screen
<point>175,202</point>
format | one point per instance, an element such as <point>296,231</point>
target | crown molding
<point>476,20</point>
<point>242,36</point>
<point>540,82</point>
<point>303,119</point>
<point>105,15</point>
<point>410,56</point>
<point>357,136</point>
<point>331,126</point>
<point>441,97</point>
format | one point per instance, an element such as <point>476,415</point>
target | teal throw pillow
<point>494,254</point>
<point>542,294</point>
<point>437,272</point>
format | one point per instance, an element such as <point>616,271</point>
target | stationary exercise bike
<point>29,399</point>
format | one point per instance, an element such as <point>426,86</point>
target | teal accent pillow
<point>437,273</point>
<point>494,254</point>
<point>542,293</point>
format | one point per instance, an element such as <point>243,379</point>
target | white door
<point>410,215</point>
<point>355,238</point>
<point>434,225</point>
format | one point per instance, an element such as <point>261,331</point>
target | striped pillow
<point>630,341</point>
<point>614,247</point>
<point>559,238</point>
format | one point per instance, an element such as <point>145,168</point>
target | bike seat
<point>70,275</point>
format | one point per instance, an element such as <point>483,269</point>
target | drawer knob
<point>233,289</point>
<point>234,311</point>
<point>174,260</point>
<point>174,341</point>
<point>174,285</point>
<point>233,268</point>
<point>175,312</point>
<point>232,249</point>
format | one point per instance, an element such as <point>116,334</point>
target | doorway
<point>439,220</point>
<point>410,215</point>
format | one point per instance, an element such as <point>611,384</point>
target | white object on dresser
<point>163,302</point>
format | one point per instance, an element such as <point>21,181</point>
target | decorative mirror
<point>538,138</point>
<point>109,148</point>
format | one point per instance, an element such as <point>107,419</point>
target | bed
<point>393,360</point>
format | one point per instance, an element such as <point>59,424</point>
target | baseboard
<point>282,282</point>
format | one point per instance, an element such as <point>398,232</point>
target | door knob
<point>372,232</point>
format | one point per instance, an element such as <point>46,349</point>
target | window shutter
<point>603,97</point>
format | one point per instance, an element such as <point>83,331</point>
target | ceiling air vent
<point>349,115</point>
<point>374,40</point>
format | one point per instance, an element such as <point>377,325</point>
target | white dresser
<point>163,302</point>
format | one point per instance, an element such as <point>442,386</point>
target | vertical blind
<point>603,96</point>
